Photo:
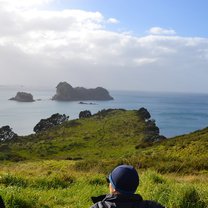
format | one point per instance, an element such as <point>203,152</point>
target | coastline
<point>175,113</point>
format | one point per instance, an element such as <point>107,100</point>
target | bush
<point>85,114</point>
<point>7,134</point>
<point>143,113</point>
<point>54,120</point>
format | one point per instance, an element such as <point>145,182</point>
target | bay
<point>175,113</point>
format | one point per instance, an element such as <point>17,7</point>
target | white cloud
<point>143,61</point>
<point>43,46</point>
<point>112,21</point>
<point>22,4</point>
<point>161,31</point>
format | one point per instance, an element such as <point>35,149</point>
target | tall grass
<point>172,193</point>
<point>59,184</point>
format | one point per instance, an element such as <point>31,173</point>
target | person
<point>1,203</point>
<point>123,182</point>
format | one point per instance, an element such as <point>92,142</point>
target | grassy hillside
<point>66,165</point>
<point>109,134</point>
<point>184,154</point>
<point>113,136</point>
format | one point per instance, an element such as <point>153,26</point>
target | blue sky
<point>187,17</point>
<point>146,45</point>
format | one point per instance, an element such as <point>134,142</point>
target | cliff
<point>65,92</point>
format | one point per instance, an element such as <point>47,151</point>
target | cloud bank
<point>43,47</point>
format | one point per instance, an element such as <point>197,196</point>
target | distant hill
<point>65,92</point>
<point>112,137</point>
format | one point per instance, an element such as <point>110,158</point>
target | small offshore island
<point>23,97</point>
<point>65,92</point>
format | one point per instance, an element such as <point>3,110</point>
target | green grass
<point>64,186</point>
<point>118,136</point>
<point>86,138</point>
<point>66,165</point>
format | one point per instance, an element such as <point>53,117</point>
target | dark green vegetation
<point>64,166</point>
<point>6,133</point>
<point>45,124</point>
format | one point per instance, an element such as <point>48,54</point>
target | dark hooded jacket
<point>123,201</point>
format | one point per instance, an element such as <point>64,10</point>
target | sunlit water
<point>175,113</point>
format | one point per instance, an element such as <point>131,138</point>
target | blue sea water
<point>175,113</point>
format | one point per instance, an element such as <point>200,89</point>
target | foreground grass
<point>62,184</point>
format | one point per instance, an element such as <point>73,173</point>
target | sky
<point>143,45</point>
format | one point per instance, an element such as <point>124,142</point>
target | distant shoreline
<point>175,114</point>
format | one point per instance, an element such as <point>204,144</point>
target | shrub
<point>54,120</point>
<point>7,134</point>
<point>85,114</point>
<point>143,113</point>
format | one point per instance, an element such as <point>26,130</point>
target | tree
<point>85,114</point>
<point>54,120</point>
<point>6,133</point>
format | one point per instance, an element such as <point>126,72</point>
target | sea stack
<point>65,92</point>
<point>23,97</point>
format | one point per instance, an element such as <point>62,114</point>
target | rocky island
<point>65,92</point>
<point>23,97</point>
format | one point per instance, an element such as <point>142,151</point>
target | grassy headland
<point>64,166</point>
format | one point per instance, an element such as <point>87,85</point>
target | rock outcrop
<point>23,97</point>
<point>65,92</point>
<point>84,103</point>
<point>151,131</point>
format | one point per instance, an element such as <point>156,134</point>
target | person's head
<point>123,179</point>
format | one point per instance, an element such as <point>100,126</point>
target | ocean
<point>175,113</point>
